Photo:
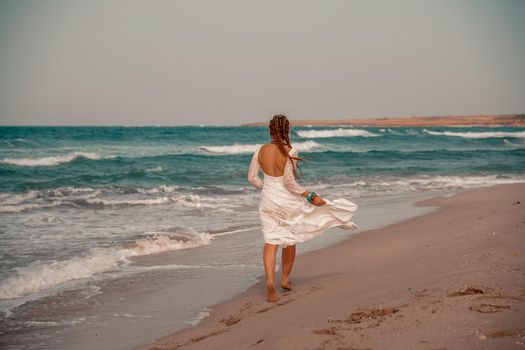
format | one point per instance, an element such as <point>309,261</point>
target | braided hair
<point>279,130</point>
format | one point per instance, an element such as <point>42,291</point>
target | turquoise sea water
<point>43,158</point>
<point>79,203</point>
<point>66,174</point>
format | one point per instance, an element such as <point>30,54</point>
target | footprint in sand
<point>268,308</point>
<point>488,308</point>
<point>230,321</point>
<point>325,331</point>
<point>258,342</point>
<point>469,290</point>
<point>372,314</point>
<point>201,337</point>
<point>502,333</point>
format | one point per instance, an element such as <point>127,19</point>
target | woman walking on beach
<point>289,214</point>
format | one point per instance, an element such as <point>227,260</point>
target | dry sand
<point>451,279</point>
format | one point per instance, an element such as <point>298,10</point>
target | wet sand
<point>450,279</point>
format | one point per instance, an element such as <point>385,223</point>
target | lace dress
<point>286,217</point>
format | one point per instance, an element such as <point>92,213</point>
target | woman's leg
<point>270,250</point>
<point>288,257</point>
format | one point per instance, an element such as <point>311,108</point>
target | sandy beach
<point>450,279</point>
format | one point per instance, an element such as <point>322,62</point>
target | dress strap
<point>292,150</point>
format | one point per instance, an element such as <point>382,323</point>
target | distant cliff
<point>448,120</point>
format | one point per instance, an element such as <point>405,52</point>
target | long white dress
<point>286,217</point>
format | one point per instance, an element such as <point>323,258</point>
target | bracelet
<point>309,197</point>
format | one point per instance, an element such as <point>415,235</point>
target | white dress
<point>286,217</point>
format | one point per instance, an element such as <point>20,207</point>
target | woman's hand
<point>318,201</point>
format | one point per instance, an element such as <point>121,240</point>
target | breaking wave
<point>341,132</point>
<point>50,161</point>
<point>113,198</point>
<point>38,277</point>
<point>477,134</point>
<point>422,183</point>
<point>306,146</point>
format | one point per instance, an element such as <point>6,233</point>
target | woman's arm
<point>253,171</point>
<point>293,186</point>
<point>289,178</point>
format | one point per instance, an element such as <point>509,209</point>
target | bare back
<point>272,160</point>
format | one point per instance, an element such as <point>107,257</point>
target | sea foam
<point>341,132</point>
<point>38,277</point>
<point>306,146</point>
<point>51,160</point>
<point>419,183</point>
<point>90,198</point>
<point>477,134</point>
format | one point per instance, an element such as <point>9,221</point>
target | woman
<point>286,211</point>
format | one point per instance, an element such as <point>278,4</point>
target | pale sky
<point>77,62</point>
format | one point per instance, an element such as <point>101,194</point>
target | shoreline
<point>162,293</point>
<point>320,297</point>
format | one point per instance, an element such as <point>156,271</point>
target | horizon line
<point>244,124</point>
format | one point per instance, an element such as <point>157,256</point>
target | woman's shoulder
<point>287,148</point>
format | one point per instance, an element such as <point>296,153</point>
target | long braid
<point>279,130</point>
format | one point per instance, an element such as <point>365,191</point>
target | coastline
<point>490,120</point>
<point>159,294</point>
<point>416,283</point>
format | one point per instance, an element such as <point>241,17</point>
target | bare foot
<point>272,295</point>
<point>286,285</point>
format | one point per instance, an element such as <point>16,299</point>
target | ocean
<point>92,218</point>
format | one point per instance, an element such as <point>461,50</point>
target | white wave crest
<point>50,161</point>
<point>16,208</point>
<point>154,170</point>
<point>421,183</point>
<point>67,191</point>
<point>341,132</point>
<point>187,200</point>
<point>306,146</point>
<point>198,202</point>
<point>17,198</point>
<point>477,135</point>
<point>114,198</point>
<point>394,132</point>
<point>40,199</point>
<point>157,189</point>
<point>230,149</point>
<point>131,201</point>
<point>25,141</point>
<point>452,182</point>
<point>46,275</point>
<point>519,143</point>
